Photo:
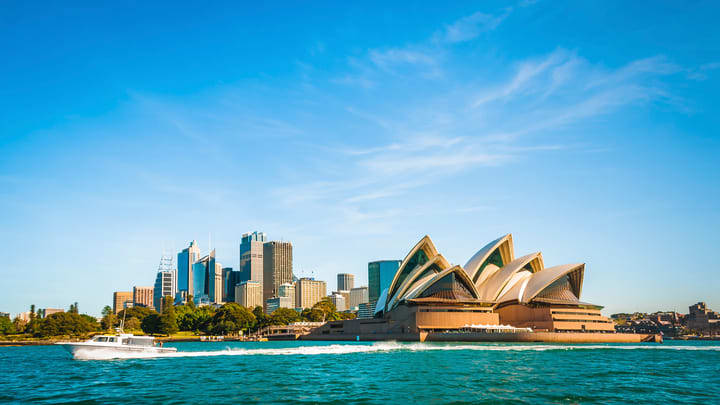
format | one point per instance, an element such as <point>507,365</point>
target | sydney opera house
<point>495,296</point>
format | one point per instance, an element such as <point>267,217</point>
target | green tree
<point>135,312</point>
<point>107,310</point>
<point>284,316</point>
<point>109,321</point>
<point>132,324</point>
<point>151,323</point>
<point>19,324</point>
<point>192,318</point>
<point>231,318</point>
<point>261,318</point>
<point>66,323</point>
<point>168,319</point>
<point>6,326</point>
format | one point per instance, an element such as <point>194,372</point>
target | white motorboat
<point>121,342</point>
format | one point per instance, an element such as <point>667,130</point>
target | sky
<point>588,130</point>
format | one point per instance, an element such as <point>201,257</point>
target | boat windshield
<point>140,341</point>
<point>100,339</point>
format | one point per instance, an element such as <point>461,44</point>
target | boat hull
<point>81,348</point>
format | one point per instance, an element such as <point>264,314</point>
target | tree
<point>19,324</point>
<point>151,323</point>
<point>168,319</point>
<point>231,318</point>
<point>6,326</point>
<point>107,310</point>
<point>73,308</point>
<point>132,324</point>
<point>66,323</point>
<point>261,319</point>
<point>192,318</point>
<point>109,321</point>
<point>284,316</point>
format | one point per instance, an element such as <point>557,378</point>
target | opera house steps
<point>494,297</point>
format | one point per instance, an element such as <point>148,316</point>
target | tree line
<point>229,319</point>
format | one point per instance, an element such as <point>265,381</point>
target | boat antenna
<point>121,329</point>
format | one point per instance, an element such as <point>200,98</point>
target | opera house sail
<point>495,296</point>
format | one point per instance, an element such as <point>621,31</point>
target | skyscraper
<point>251,256</point>
<point>143,296</point>
<point>249,294</point>
<point>164,286</point>
<point>287,290</point>
<point>309,292</point>
<point>277,267</point>
<point>358,295</point>
<point>228,284</point>
<point>165,281</point>
<point>185,260</point>
<point>207,280</point>
<point>345,281</point>
<point>380,275</point>
<point>120,298</point>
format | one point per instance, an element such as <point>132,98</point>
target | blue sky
<point>586,129</point>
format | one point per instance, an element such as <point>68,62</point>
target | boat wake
<point>379,347</point>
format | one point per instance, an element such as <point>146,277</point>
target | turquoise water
<point>386,372</point>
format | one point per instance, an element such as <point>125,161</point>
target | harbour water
<point>364,372</point>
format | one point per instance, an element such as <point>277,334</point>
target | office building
<point>271,304</point>
<point>287,290</point>
<point>230,279</point>
<point>185,261</point>
<point>309,292</point>
<point>345,282</point>
<point>358,296</point>
<point>364,311</point>
<point>164,287</point>
<point>249,294</point>
<point>120,300</point>
<point>339,301</point>
<point>380,275</point>
<point>277,267</point>
<point>251,256</point>
<point>143,297</point>
<point>207,280</point>
<point>45,312</point>
<point>346,295</point>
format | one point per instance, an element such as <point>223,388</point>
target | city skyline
<point>352,132</point>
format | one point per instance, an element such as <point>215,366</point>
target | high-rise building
<point>164,287</point>
<point>249,294</point>
<point>309,292</point>
<point>251,256</point>
<point>277,267</point>
<point>120,298</point>
<point>228,284</point>
<point>380,276</point>
<point>207,280</point>
<point>358,296</point>
<point>271,304</point>
<point>143,296</point>
<point>339,301</point>
<point>345,281</point>
<point>287,290</point>
<point>185,261</point>
<point>345,294</point>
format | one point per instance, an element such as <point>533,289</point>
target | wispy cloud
<point>471,27</point>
